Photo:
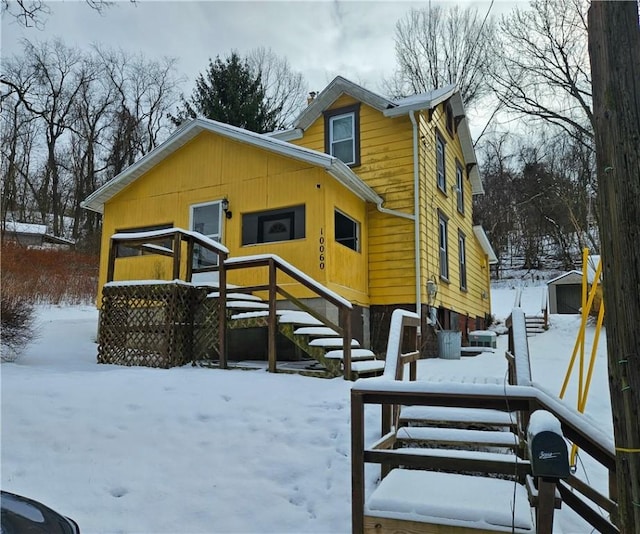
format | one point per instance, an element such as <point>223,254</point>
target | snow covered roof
<point>191,129</point>
<point>592,266</point>
<point>390,108</point>
<point>25,228</point>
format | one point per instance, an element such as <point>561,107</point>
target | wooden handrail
<point>525,399</point>
<point>277,265</point>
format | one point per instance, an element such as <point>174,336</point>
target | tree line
<point>74,119</point>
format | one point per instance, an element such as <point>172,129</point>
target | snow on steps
<point>449,500</point>
<point>455,436</point>
<point>535,324</point>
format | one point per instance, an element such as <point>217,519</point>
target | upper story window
<point>270,226</point>
<point>450,120</point>
<point>443,246</point>
<point>206,219</point>
<point>440,163</point>
<point>342,134</point>
<point>460,187</point>
<point>347,231</point>
<point>462,260</point>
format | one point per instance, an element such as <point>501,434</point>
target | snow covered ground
<point>192,450</point>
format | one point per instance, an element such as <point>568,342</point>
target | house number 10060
<point>321,249</point>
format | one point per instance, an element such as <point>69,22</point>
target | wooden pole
<point>357,463</point>
<point>614,48</point>
<point>272,316</point>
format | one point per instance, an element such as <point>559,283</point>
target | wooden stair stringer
<point>317,353</point>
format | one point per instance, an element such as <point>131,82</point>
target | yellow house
<point>368,196</point>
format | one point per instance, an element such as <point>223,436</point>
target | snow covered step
<point>448,499</point>
<point>316,331</point>
<point>356,354</point>
<point>330,342</point>
<point>252,314</point>
<point>457,435</point>
<point>438,414</point>
<point>367,366</point>
<point>299,317</point>
<point>236,296</point>
<point>246,305</point>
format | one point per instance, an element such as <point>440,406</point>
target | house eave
<point>96,201</point>
<point>482,238</point>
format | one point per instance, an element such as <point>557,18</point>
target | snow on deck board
<point>457,415</point>
<point>356,354</point>
<point>456,435</point>
<point>462,454</point>
<point>331,342</point>
<point>247,305</point>
<point>448,498</point>
<point>367,365</point>
<point>299,317</point>
<point>236,296</point>
<point>315,331</point>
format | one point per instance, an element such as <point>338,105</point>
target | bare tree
<point>144,92</point>
<point>46,83</point>
<point>543,67</point>
<point>285,89</point>
<point>34,13</point>
<point>436,47</point>
<point>614,47</point>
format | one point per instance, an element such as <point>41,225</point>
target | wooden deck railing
<point>277,267</point>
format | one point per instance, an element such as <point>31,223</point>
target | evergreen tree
<point>229,92</point>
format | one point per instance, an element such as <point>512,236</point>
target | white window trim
<point>443,235</point>
<point>352,138</point>
<point>462,260</point>
<point>216,237</point>
<point>440,141</point>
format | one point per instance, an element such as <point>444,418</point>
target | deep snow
<point>192,450</point>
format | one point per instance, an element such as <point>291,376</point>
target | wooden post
<point>113,254</point>
<point>357,463</point>
<point>222,324</point>
<point>345,323</point>
<point>189,275</point>
<point>546,498</point>
<point>614,49</point>
<point>272,316</point>
<point>176,255</point>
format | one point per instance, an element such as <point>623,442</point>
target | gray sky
<point>320,39</point>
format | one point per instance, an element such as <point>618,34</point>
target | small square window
<point>347,231</point>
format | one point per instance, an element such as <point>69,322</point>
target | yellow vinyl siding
<point>211,167</point>
<point>386,154</point>
<point>450,295</point>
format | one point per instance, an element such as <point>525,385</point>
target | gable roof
<point>188,131</point>
<point>390,108</point>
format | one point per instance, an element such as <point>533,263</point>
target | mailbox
<point>547,447</point>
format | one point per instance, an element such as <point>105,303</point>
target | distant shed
<point>32,235</point>
<point>565,291</point>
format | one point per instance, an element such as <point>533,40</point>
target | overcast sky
<point>320,39</point>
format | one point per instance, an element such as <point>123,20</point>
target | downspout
<point>414,217</point>
<point>416,211</point>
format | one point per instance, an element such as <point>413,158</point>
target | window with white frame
<point>460,187</point>
<point>206,219</point>
<point>440,163</point>
<point>342,134</point>
<point>462,260</point>
<point>443,246</point>
<point>347,231</point>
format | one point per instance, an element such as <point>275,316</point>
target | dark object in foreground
<point>20,515</point>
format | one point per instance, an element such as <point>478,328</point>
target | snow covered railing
<point>577,494</point>
<point>276,265</point>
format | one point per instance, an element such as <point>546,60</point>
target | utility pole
<point>614,48</point>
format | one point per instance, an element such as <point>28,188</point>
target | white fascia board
<point>482,238</point>
<point>180,137</point>
<point>331,93</point>
<point>419,102</point>
<point>286,135</point>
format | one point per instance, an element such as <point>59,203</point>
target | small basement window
<point>347,231</point>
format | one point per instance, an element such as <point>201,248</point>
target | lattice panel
<point>156,325</point>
